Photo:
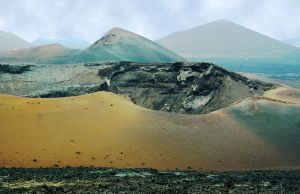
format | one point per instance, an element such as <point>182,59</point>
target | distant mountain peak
<point>119,44</point>
<point>222,21</point>
<point>117,30</point>
<point>223,38</point>
<point>113,36</point>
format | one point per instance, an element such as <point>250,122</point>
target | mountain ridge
<point>115,45</point>
<point>222,38</point>
<point>119,44</point>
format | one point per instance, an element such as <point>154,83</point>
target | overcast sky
<point>153,19</point>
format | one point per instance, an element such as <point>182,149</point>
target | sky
<point>154,19</point>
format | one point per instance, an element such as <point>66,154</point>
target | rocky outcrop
<point>14,69</point>
<point>172,87</point>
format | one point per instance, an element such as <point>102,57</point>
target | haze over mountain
<point>119,44</point>
<point>116,45</point>
<point>9,41</point>
<point>294,42</point>
<point>223,38</point>
<point>70,42</point>
<point>44,54</point>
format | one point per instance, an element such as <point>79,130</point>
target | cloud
<point>90,19</point>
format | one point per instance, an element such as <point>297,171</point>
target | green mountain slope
<point>119,44</point>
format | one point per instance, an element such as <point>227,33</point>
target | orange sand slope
<point>107,130</point>
<point>287,94</point>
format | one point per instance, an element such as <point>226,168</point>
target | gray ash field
<point>99,180</point>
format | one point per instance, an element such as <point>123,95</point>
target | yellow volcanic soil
<point>285,94</point>
<point>107,130</point>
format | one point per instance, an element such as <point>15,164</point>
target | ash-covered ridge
<point>183,87</point>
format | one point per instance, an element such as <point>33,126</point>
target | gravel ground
<point>103,180</point>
